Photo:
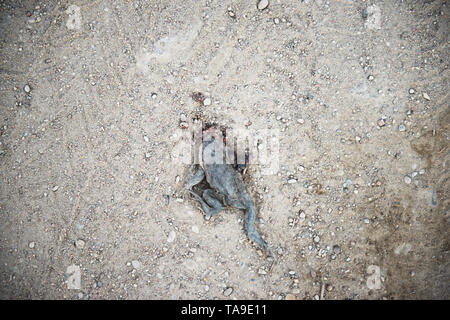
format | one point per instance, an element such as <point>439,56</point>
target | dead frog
<point>226,187</point>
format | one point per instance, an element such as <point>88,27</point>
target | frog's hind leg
<point>252,233</point>
<point>209,196</point>
<point>210,205</point>
<point>195,179</point>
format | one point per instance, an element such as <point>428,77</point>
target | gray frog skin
<point>226,188</point>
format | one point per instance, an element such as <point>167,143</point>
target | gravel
<point>136,264</point>
<point>207,101</point>
<point>80,244</point>
<point>302,215</point>
<point>172,236</point>
<point>165,197</point>
<point>263,4</point>
<point>261,271</point>
<point>184,125</point>
<point>228,291</point>
<point>336,249</point>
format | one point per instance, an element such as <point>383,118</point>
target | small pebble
<point>411,91</point>
<point>27,88</point>
<point>302,215</point>
<point>370,78</point>
<point>198,96</point>
<point>195,229</point>
<point>364,14</point>
<point>381,123</point>
<point>207,102</point>
<point>407,180</point>
<point>336,249</point>
<point>79,244</point>
<point>184,125</point>
<point>171,236</point>
<point>228,291</point>
<point>290,296</point>
<point>55,188</point>
<point>401,128</point>
<point>99,284</point>
<point>166,199</point>
<point>262,4</point>
<point>426,96</point>
<point>136,264</point>
<point>276,21</point>
<point>31,245</point>
<point>292,180</point>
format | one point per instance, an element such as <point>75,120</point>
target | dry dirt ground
<point>91,97</point>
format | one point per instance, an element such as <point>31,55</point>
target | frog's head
<point>211,135</point>
<point>213,147</point>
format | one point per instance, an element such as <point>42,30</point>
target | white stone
<point>262,4</point>
<point>172,236</point>
<point>207,101</point>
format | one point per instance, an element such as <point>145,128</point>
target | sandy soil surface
<point>93,94</point>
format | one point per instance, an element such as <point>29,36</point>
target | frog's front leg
<point>195,179</point>
<point>209,203</point>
